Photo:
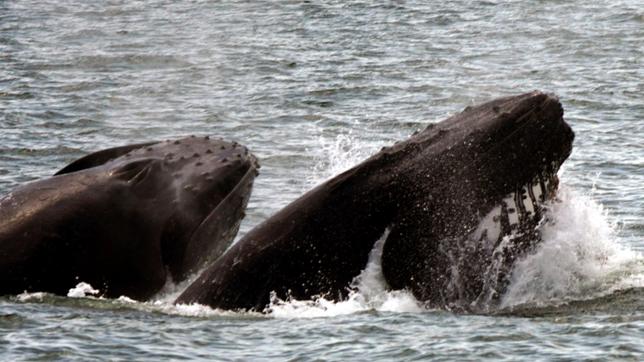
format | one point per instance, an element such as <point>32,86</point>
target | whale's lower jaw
<point>482,262</point>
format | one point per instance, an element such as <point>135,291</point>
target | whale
<point>127,219</point>
<point>457,203</point>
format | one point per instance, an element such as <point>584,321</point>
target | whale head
<point>127,218</point>
<point>472,191</point>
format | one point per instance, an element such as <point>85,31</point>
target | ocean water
<point>312,88</point>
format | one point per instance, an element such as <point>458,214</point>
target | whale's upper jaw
<point>505,142</point>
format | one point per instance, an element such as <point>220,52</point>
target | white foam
<point>29,297</point>
<point>579,258</point>
<point>82,290</point>
<point>194,310</point>
<point>126,300</point>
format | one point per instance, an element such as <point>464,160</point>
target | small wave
<point>358,302</point>
<point>617,302</point>
<point>83,296</point>
<point>142,61</point>
<point>16,95</point>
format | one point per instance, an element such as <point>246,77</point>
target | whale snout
<point>209,183</point>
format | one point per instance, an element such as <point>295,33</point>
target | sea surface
<point>312,88</point>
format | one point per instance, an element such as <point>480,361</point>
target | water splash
<point>335,155</point>
<point>580,257</point>
<point>369,292</point>
<point>82,290</point>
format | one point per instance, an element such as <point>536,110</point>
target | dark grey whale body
<point>125,218</point>
<point>460,199</point>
